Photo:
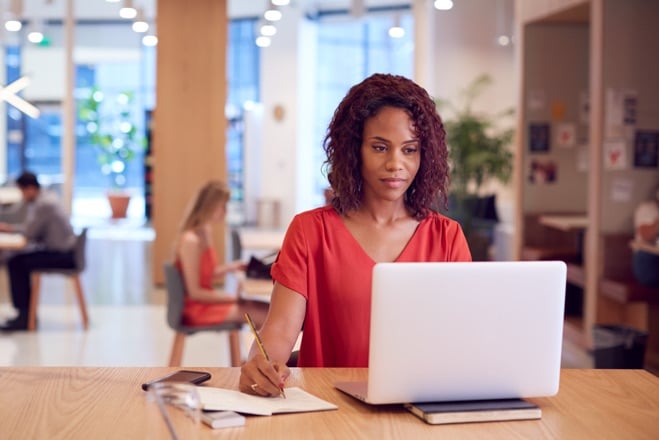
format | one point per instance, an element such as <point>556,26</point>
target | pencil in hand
<point>261,346</point>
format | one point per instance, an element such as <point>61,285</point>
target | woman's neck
<point>380,213</point>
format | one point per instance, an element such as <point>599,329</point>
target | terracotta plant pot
<point>118,203</point>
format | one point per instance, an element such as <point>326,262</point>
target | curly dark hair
<point>344,138</point>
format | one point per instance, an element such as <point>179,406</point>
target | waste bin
<point>618,346</point>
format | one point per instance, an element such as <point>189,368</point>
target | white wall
<point>279,88</point>
<point>465,47</point>
<point>46,67</point>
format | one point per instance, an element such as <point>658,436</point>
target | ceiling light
<point>128,11</point>
<point>443,5</point>
<point>12,21</point>
<point>503,25</point>
<point>503,40</point>
<point>267,29</point>
<point>263,41</point>
<point>140,25</point>
<point>272,14</point>
<point>35,34</point>
<point>280,2</point>
<point>35,37</point>
<point>13,25</point>
<point>396,31</point>
<point>150,40</point>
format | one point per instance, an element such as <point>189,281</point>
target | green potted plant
<point>109,123</point>
<point>478,152</point>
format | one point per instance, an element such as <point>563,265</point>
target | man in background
<point>646,225</point>
<point>50,242</point>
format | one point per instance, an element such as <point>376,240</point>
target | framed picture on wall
<point>539,137</point>
<point>646,149</point>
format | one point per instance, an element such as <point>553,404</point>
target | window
<point>35,144</point>
<point>349,51</point>
<point>243,78</point>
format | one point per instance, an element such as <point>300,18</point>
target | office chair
<point>175,298</point>
<point>73,274</point>
<point>236,245</point>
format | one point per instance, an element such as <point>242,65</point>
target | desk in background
<point>568,223</point>
<point>10,195</point>
<point>564,222</point>
<point>261,239</point>
<point>644,246</point>
<point>83,403</point>
<point>248,288</point>
<point>256,290</point>
<point>11,241</point>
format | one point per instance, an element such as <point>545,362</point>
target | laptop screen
<point>463,331</point>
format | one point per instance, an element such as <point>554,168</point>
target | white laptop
<point>463,331</point>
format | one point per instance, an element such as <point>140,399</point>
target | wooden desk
<point>84,403</point>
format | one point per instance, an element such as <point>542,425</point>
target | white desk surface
<point>248,288</point>
<point>564,222</point>
<point>256,290</point>
<point>10,195</point>
<point>261,239</point>
<point>12,240</point>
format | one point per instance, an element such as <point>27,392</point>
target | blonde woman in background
<point>197,261</point>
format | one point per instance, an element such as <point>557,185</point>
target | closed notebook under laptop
<point>463,331</point>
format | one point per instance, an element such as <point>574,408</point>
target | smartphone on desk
<point>190,376</point>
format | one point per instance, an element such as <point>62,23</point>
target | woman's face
<point>391,154</point>
<point>220,212</point>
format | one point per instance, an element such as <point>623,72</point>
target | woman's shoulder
<point>439,217</point>
<point>435,220</point>
<point>190,238</point>
<point>311,224</point>
<point>323,214</point>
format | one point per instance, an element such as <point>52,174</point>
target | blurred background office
<point>297,75</point>
<point>80,96</point>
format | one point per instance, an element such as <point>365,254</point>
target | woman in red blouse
<point>197,261</point>
<point>387,166</point>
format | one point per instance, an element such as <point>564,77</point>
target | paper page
<point>297,400</point>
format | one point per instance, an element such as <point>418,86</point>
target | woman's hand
<point>278,334</point>
<point>262,378</point>
<point>234,266</point>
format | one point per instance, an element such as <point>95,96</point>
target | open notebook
<point>297,400</point>
<point>463,331</point>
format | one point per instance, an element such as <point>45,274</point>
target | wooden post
<point>189,126</point>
